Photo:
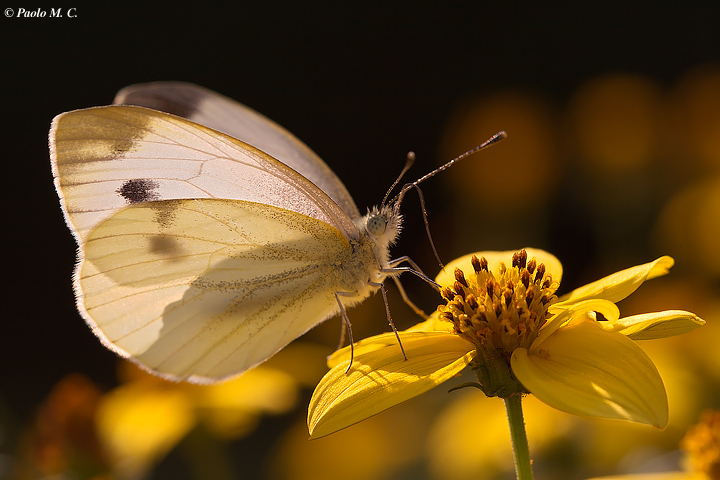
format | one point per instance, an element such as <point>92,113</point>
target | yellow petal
<point>552,264</point>
<point>381,379</point>
<point>369,344</point>
<point>650,326</point>
<point>619,285</point>
<point>574,313</point>
<point>363,347</point>
<point>432,324</point>
<point>583,370</point>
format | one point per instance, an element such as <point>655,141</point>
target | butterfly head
<point>383,226</point>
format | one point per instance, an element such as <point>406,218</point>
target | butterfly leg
<point>393,270</point>
<point>413,268</point>
<point>397,261</point>
<point>343,332</point>
<point>346,325</point>
<point>387,312</point>
<point>346,321</point>
<point>407,300</point>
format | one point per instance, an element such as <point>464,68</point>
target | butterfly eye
<point>376,225</point>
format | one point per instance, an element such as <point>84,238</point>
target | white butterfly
<point>201,256</point>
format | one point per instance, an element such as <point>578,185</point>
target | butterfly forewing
<point>106,158</point>
<point>204,289</point>
<point>216,111</point>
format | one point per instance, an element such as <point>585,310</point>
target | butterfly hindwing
<point>204,288</point>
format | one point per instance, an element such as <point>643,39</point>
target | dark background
<point>360,83</point>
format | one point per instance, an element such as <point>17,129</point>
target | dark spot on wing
<point>120,147</point>
<point>165,246</point>
<point>127,129</point>
<point>165,213</point>
<point>181,102</point>
<point>165,218</point>
<point>139,190</point>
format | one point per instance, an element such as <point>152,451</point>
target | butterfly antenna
<point>408,186</point>
<point>408,163</point>
<point>490,141</point>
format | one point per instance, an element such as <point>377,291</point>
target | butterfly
<point>209,236</point>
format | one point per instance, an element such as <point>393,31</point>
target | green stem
<point>521,452</point>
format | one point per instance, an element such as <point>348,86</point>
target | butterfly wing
<point>107,158</point>
<point>216,111</point>
<point>203,289</point>
<point>200,256</point>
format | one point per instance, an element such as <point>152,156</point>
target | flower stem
<point>521,452</point>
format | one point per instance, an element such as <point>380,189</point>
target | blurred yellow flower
<point>574,353</point>
<point>683,226</point>
<point>616,122</point>
<point>701,446</point>
<point>492,457</point>
<point>62,441</point>
<point>139,422</point>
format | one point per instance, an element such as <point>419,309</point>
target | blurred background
<point>613,159</point>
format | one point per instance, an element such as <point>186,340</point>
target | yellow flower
<point>139,422</point>
<point>701,445</point>
<point>574,353</point>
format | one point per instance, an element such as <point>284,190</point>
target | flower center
<point>500,310</point>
